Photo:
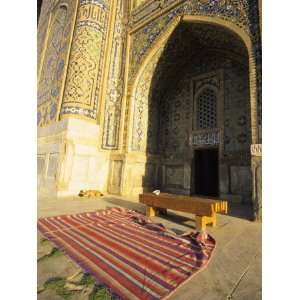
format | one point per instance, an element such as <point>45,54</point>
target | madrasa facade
<point>138,95</point>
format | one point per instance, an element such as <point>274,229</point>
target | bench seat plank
<point>194,205</point>
<point>205,208</point>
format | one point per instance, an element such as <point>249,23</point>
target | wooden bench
<point>204,208</point>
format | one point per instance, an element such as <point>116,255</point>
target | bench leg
<point>150,211</point>
<point>214,220</point>
<point>200,223</point>
<point>226,208</point>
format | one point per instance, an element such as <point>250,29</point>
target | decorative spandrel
<point>236,9</point>
<point>233,11</point>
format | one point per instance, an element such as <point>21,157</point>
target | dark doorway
<point>206,172</point>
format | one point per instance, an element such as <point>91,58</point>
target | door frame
<point>193,169</point>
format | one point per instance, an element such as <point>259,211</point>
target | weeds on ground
<point>101,293</point>
<point>58,285</point>
<point>54,253</point>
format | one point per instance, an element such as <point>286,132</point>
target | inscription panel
<point>206,138</point>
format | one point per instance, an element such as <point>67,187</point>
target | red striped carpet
<point>127,252</point>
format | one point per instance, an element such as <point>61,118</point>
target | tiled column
<point>85,69</point>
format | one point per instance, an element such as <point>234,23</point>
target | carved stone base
<point>69,159</point>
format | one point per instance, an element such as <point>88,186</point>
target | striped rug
<point>127,252</point>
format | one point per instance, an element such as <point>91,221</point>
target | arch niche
<point>136,142</point>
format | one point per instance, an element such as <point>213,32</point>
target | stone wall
<point>69,159</point>
<point>72,40</point>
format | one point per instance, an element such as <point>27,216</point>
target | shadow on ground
<point>126,204</point>
<point>236,210</point>
<point>240,210</point>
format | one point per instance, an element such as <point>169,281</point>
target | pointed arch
<point>156,51</point>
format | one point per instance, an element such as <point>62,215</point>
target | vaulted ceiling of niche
<point>187,43</point>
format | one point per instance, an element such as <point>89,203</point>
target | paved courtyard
<point>233,273</point>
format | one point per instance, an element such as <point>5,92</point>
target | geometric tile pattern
<point>53,62</point>
<point>141,106</point>
<point>165,98</point>
<point>115,82</point>
<point>85,65</point>
<point>234,11</point>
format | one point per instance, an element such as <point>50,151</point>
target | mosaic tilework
<point>141,107</point>
<point>175,110</point>
<point>144,38</point>
<point>114,90</point>
<point>54,60</point>
<point>192,35</point>
<point>42,29</point>
<point>193,57</point>
<point>54,48</point>
<point>139,2</point>
<point>235,11</point>
<point>175,120</point>
<point>170,93</point>
<point>257,48</point>
<point>86,60</point>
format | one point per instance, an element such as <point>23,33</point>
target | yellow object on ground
<point>90,193</point>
